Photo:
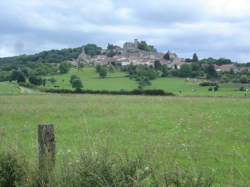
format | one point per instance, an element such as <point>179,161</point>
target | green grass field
<point>201,134</point>
<point>7,88</point>
<point>118,81</point>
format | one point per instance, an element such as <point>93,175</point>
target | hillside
<point>119,81</point>
<point>51,56</point>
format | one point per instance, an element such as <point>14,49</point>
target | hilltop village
<point>131,53</point>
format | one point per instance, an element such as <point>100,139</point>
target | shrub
<point>77,84</point>
<point>244,79</point>
<point>73,77</point>
<point>26,84</point>
<point>103,169</point>
<point>35,80</point>
<point>242,89</point>
<point>208,84</point>
<point>216,88</point>
<point>64,67</point>
<point>12,172</point>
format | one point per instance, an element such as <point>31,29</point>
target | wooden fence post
<point>47,146</point>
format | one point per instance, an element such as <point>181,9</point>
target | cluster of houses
<point>131,54</point>
<point>231,67</point>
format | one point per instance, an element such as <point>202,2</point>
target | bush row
<point>208,84</point>
<point>121,92</point>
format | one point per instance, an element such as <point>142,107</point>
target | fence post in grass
<point>46,141</point>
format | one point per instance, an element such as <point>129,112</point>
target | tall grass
<point>95,169</point>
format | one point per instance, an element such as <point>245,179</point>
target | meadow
<point>199,134</point>
<point>118,81</point>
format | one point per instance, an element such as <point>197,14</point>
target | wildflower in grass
<point>94,153</point>
<point>61,153</point>
<point>146,168</point>
<point>68,151</point>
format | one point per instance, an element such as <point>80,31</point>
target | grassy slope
<point>118,81</point>
<point>137,123</point>
<point>7,88</point>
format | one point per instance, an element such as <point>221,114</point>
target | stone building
<point>131,45</point>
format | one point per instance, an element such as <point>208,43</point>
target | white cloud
<point>209,27</point>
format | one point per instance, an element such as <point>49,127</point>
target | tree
<point>111,47</point>
<point>167,56</point>
<point>164,70</point>
<point>97,68</point>
<point>73,77</point>
<point>35,80</point>
<point>77,84</point>
<point>185,70</point>
<point>52,80</point>
<point>145,47</point>
<point>18,76</point>
<point>211,72</point>
<point>143,82</point>
<point>103,72</point>
<point>157,65</point>
<point>243,79</point>
<point>222,61</point>
<point>64,67</point>
<point>92,50</point>
<point>195,58</point>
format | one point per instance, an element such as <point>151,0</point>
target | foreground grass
<point>199,134</point>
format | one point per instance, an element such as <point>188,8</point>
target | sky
<point>210,28</point>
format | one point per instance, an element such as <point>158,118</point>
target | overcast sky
<point>217,28</point>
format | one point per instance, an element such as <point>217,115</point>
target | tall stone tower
<point>136,42</point>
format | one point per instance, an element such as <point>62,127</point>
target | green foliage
<point>92,50</point>
<point>183,178</point>
<point>185,70</point>
<point>18,76</point>
<point>112,47</point>
<point>165,71</point>
<point>208,84</point>
<point>142,74</point>
<point>64,67</point>
<point>222,61</point>
<point>242,89</point>
<point>73,77</point>
<point>36,80</point>
<point>52,56</point>
<point>167,56</point>
<point>5,75</point>
<point>157,65</point>
<point>77,84</point>
<point>219,62</point>
<point>145,47</point>
<point>142,82</point>
<point>52,80</point>
<point>195,58</point>
<point>174,72</point>
<point>12,172</point>
<point>211,72</point>
<point>244,79</point>
<point>102,169</point>
<point>102,70</point>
